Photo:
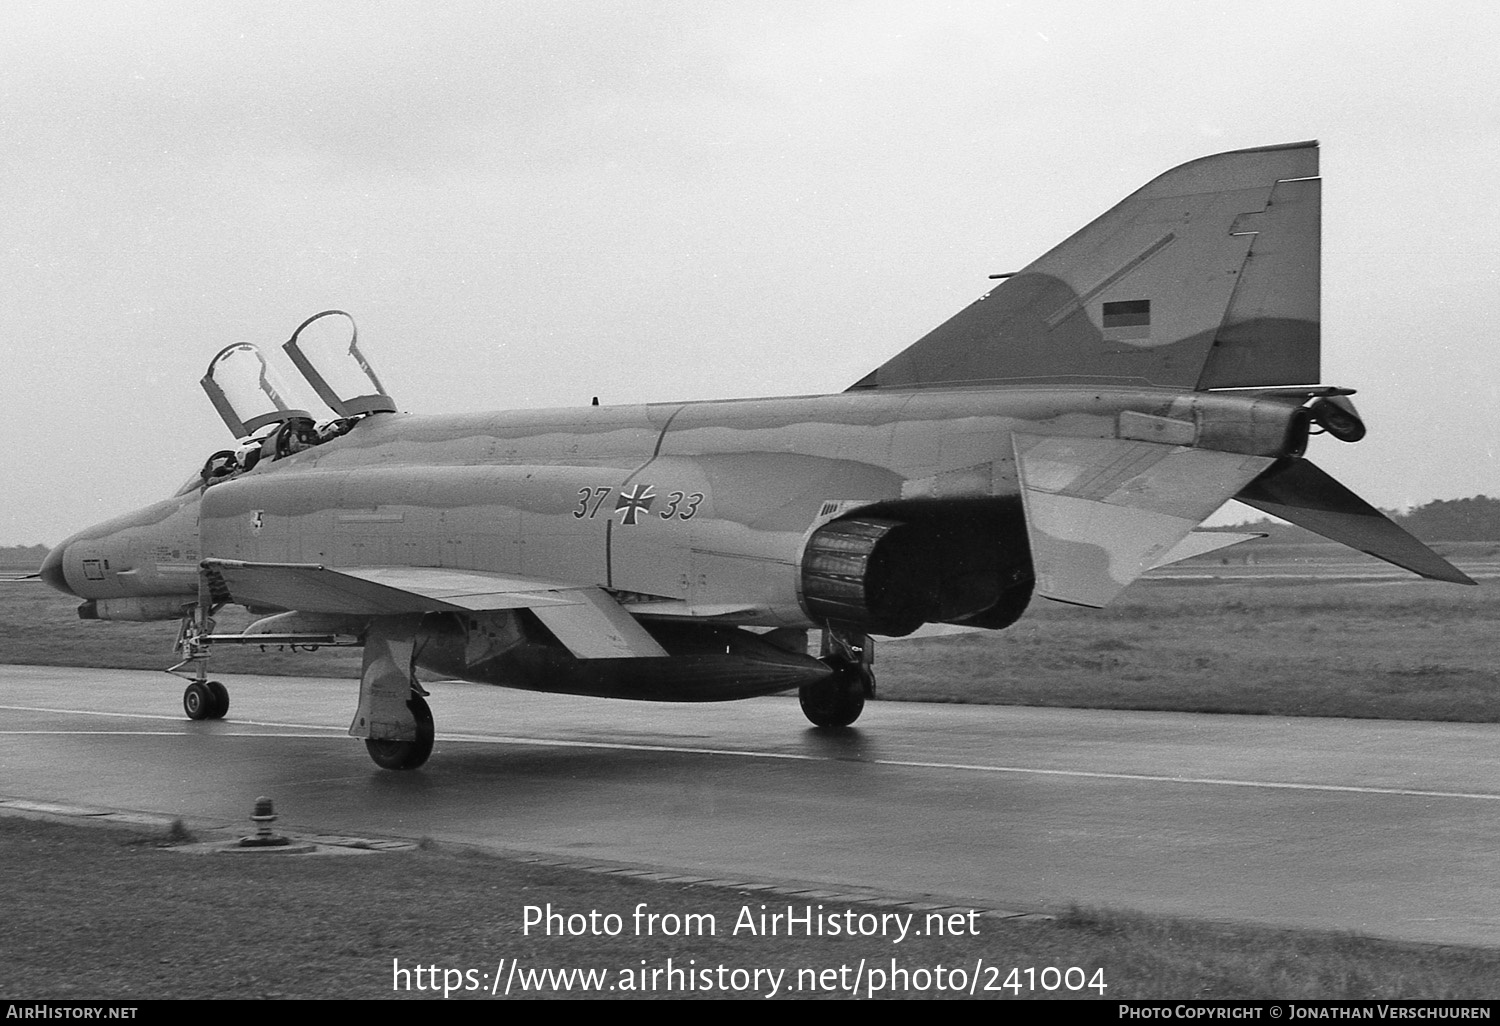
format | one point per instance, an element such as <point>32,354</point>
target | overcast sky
<point>528,204</point>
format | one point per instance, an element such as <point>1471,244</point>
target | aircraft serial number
<point>636,503</point>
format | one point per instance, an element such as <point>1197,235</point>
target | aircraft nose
<point>52,570</point>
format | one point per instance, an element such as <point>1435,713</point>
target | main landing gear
<point>393,717</point>
<point>838,699</point>
<point>405,755</point>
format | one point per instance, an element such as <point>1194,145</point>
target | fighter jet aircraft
<point>1060,436</point>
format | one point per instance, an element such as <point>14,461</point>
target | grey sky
<point>528,204</point>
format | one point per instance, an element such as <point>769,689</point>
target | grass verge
<point>100,913</point>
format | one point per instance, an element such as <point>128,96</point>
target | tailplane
<point>1297,491</point>
<point>1207,277</point>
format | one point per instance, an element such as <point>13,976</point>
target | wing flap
<point>1102,511</point>
<point>588,622</point>
<point>595,627</point>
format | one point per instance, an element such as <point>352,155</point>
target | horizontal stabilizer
<point>1297,491</point>
<point>1102,511</point>
<point>585,619</point>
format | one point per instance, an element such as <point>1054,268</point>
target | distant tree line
<point>23,555</point>
<point>1476,519</point>
<point>1443,520</point>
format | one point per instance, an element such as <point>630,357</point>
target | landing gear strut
<point>838,699</point>
<point>203,699</point>
<point>393,717</point>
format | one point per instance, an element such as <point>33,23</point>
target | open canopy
<point>246,391</point>
<point>325,348</point>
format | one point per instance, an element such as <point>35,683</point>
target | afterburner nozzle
<point>1336,415</point>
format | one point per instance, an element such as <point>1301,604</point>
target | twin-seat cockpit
<point>253,400</point>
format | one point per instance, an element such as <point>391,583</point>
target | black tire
<point>406,755</point>
<point>198,701</point>
<point>221,700</point>
<point>835,701</point>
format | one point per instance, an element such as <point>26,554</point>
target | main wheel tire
<point>835,701</point>
<point>198,701</point>
<point>221,700</point>
<point>405,755</point>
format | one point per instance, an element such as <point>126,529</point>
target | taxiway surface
<point>1384,827</point>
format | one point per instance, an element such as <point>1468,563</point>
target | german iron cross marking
<point>635,502</point>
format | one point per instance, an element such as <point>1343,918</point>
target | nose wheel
<point>205,700</point>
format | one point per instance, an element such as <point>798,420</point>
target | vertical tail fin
<point>1207,277</point>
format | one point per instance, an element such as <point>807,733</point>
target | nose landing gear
<point>205,700</point>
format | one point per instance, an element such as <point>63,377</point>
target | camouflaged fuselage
<point>692,509</point>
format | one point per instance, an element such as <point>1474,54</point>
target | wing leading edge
<point>590,623</point>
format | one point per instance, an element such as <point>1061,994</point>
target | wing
<point>585,619</point>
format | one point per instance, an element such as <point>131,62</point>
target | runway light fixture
<point>263,816</point>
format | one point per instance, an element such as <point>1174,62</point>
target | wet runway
<point>1384,827</point>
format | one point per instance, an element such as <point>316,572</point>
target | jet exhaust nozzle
<point>1336,415</point>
